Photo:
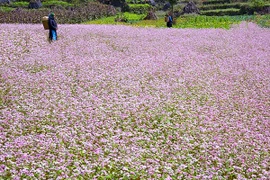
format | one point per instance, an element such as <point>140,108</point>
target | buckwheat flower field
<point>120,102</point>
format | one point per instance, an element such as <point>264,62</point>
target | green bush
<point>139,8</point>
<point>134,17</point>
<point>130,17</point>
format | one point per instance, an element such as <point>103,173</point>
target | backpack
<point>166,19</point>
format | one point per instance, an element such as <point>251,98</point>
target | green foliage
<point>56,4</point>
<point>205,22</point>
<point>173,2</point>
<point>192,21</point>
<point>136,1</point>
<point>105,20</point>
<point>139,8</point>
<point>229,7</point>
<point>257,3</point>
<point>215,1</point>
<point>222,6</point>
<point>263,21</point>
<point>77,2</point>
<point>20,4</point>
<point>221,12</point>
<point>130,1</point>
<point>131,17</point>
<point>6,9</point>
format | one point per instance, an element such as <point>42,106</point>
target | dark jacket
<point>170,21</point>
<point>52,23</point>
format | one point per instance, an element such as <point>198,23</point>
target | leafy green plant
<point>56,3</point>
<point>263,21</point>
<point>257,3</point>
<point>139,8</point>
<point>131,17</point>
<point>215,1</point>
<point>105,20</point>
<point>6,9</point>
<point>20,4</point>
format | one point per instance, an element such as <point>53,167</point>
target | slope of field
<point>120,102</point>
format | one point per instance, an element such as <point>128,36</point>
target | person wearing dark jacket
<point>169,20</point>
<point>52,28</point>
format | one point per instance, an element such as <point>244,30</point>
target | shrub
<point>129,17</point>
<point>139,8</point>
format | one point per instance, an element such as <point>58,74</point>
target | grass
<point>191,21</point>
<point>6,9</point>
<point>57,3</point>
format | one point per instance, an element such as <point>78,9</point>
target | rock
<point>166,6</point>
<point>34,4</point>
<point>191,8</point>
<point>151,15</point>
<point>4,1</point>
<point>152,2</point>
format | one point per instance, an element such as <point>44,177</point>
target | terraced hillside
<point>221,7</point>
<point>230,7</point>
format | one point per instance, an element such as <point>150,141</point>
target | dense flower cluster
<point>124,102</point>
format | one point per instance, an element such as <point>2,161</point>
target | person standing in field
<point>169,19</point>
<point>52,27</point>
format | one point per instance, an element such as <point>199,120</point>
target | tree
<point>172,2</point>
